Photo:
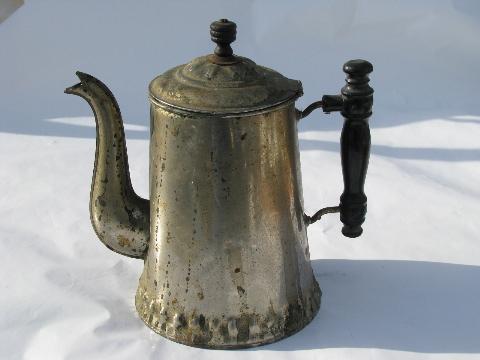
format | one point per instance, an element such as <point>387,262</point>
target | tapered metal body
<point>228,263</point>
<point>224,234</point>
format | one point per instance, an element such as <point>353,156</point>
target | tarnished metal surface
<point>204,86</point>
<point>228,263</point>
<point>119,216</point>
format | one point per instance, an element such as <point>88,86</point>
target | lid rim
<point>227,112</point>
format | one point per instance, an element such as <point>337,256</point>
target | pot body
<point>228,263</point>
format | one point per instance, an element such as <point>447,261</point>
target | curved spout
<point>120,218</point>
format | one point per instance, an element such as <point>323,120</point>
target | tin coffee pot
<point>224,234</point>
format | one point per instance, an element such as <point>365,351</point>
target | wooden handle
<point>355,145</point>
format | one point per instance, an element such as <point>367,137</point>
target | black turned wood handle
<point>355,104</point>
<point>355,145</point>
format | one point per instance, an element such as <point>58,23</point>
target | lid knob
<point>223,32</point>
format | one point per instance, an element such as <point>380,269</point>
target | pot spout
<point>120,218</point>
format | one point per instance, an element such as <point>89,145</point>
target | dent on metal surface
<point>228,265</point>
<point>119,216</point>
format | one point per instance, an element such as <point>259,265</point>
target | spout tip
<point>83,76</point>
<point>75,89</point>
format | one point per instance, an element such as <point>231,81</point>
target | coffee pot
<point>224,234</point>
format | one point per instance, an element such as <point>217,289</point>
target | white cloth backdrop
<point>407,289</point>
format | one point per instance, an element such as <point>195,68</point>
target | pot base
<point>235,332</point>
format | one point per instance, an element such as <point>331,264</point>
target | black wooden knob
<point>223,32</point>
<point>358,67</point>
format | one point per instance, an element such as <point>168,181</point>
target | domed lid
<point>223,83</point>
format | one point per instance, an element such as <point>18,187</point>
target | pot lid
<point>223,83</point>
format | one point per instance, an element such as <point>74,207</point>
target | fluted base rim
<point>224,334</point>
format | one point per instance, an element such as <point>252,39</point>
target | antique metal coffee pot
<point>223,236</point>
